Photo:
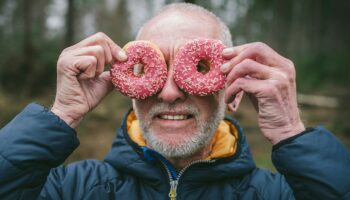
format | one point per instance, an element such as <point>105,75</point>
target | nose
<point>171,92</point>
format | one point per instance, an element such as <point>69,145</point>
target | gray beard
<point>188,146</point>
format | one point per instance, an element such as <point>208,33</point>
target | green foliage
<point>314,36</point>
<point>27,57</point>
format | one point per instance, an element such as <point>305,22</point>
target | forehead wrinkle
<point>170,30</point>
<point>179,22</point>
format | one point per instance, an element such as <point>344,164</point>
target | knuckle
<point>260,45</point>
<point>284,76</point>
<point>290,72</point>
<point>280,85</point>
<point>289,63</point>
<point>92,61</point>
<point>247,62</point>
<point>283,85</point>
<point>100,36</point>
<point>99,49</point>
<point>62,63</point>
<point>255,49</point>
<point>65,50</point>
<point>290,77</point>
<point>239,82</point>
<point>272,88</point>
<point>245,65</point>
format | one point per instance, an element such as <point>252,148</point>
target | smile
<point>174,117</point>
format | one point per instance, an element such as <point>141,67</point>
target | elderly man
<point>157,155</point>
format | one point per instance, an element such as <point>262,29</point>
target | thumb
<point>105,79</point>
<point>100,86</point>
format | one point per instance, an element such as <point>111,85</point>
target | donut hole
<point>138,69</point>
<point>203,66</point>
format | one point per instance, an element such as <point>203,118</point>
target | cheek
<point>141,107</point>
<point>208,104</point>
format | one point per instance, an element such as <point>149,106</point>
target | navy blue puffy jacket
<point>312,165</point>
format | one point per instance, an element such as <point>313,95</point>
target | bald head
<point>181,16</point>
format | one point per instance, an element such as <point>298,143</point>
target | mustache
<point>165,107</point>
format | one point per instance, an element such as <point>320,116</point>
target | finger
<point>102,39</point>
<point>250,68</point>
<point>230,52</point>
<point>106,77</point>
<point>249,85</point>
<point>100,86</point>
<point>86,66</point>
<point>116,52</point>
<point>107,53</point>
<point>106,49</point>
<point>259,52</point>
<point>233,106</point>
<point>96,51</point>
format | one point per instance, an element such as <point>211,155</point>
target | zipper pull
<point>173,187</point>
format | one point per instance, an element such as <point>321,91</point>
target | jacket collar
<point>224,143</point>
<point>127,155</point>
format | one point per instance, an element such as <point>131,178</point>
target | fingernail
<point>227,51</point>
<point>122,55</point>
<point>224,67</point>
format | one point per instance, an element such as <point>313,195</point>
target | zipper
<point>173,187</point>
<point>175,182</point>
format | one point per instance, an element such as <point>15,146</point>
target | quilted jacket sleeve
<point>33,143</point>
<point>315,164</point>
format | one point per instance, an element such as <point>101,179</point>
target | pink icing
<point>140,86</point>
<point>186,60</point>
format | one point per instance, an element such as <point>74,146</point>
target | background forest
<point>314,34</point>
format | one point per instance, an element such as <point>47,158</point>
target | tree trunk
<point>28,46</point>
<point>70,19</point>
<point>27,63</point>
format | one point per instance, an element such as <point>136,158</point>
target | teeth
<point>173,117</point>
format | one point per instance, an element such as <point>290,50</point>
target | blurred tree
<point>115,23</point>
<point>24,48</point>
<point>311,33</point>
<point>28,46</point>
<point>70,19</point>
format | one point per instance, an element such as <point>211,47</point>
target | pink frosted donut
<point>154,67</point>
<point>186,74</point>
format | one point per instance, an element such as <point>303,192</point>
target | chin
<point>178,144</point>
<point>174,139</point>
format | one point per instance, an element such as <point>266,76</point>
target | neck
<point>181,162</point>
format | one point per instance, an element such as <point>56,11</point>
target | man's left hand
<point>269,79</point>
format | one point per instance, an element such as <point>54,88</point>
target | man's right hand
<point>81,80</point>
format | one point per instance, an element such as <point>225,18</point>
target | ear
<point>233,106</point>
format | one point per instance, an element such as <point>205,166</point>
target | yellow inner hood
<point>224,143</point>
